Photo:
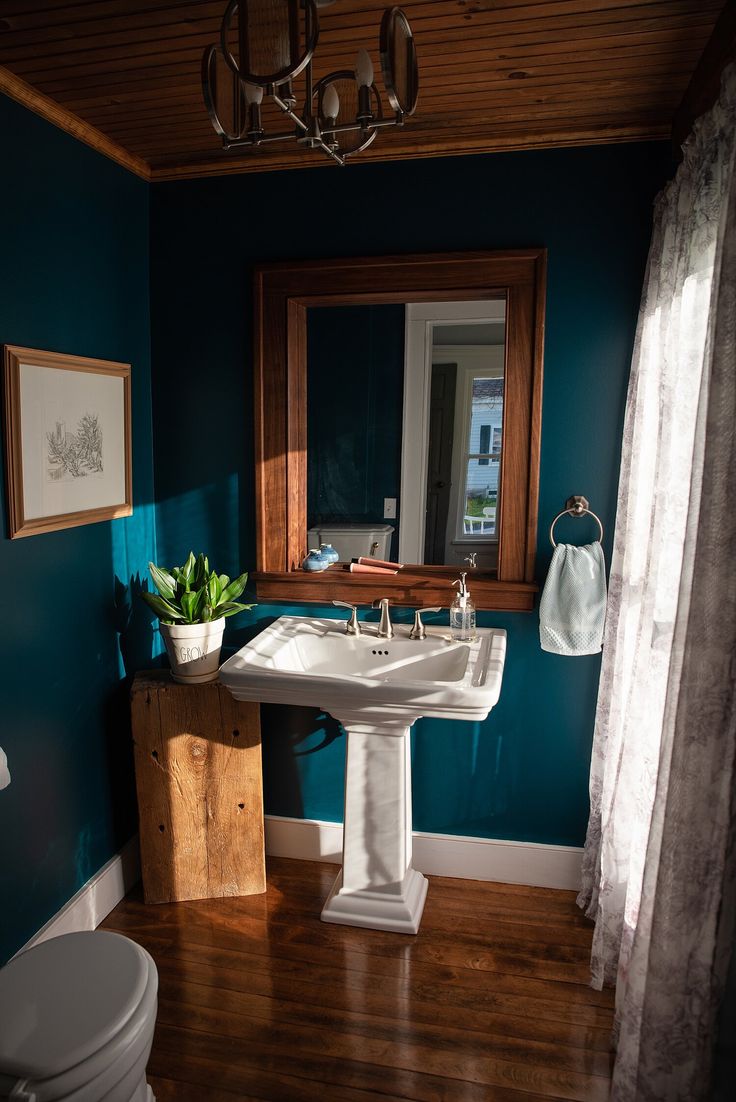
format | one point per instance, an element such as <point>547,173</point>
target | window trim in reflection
<point>460,469</point>
<point>421,320</point>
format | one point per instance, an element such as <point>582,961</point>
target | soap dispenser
<point>462,612</point>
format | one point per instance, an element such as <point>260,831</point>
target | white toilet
<point>353,540</point>
<point>77,1015</point>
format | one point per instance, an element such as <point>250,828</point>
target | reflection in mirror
<point>404,430</point>
<point>355,381</point>
<point>464,433</point>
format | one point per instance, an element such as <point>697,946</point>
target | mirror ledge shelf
<point>412,588</point>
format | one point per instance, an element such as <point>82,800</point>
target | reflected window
<point>482,459</point>
<point>464,432</point>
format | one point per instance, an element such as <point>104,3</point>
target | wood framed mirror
<point>285,294</point>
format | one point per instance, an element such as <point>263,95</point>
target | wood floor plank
<point>301,1021</point>
<point>513,1016</point>
<point>354,957</point>
<point>559,963</point>
<point>260,1000</point>
<point>447,990</point>
<point>335,1074</point>
<point>173,1090</point>
<point>240,1077</point>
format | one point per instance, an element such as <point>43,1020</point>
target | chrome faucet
<point>385,628</point>
<point>419,631</point>
<point>352,627</point>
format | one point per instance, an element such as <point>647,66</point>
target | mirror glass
<point>405,430</point>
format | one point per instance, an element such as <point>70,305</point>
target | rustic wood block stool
<point>200,790</point>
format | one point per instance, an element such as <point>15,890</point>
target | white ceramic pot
<point>193,650</point>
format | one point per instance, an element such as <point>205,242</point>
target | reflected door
<point>439,459</point>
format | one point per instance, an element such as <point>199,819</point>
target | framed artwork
<point>67,440</point>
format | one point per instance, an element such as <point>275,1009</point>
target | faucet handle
<point>419,631</point>
<point>352,626</point>
<point>385,628</point>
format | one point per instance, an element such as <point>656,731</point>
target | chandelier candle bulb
<point>253,93</point>
<point>364,69</point>
<point>331,103</point>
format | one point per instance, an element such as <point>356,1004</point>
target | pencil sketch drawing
<point>77,454</point>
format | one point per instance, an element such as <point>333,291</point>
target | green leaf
<point>234,589</point>
<point>187,569</point>
<point>214,589</point>
<point>199,603</point>
<point>224,580</point>
<point>201,572</point>
<point>229,609</point>
<point>163,609</point>
<point>165,583</point>
<point>206,614</point>
<point>188,603</point>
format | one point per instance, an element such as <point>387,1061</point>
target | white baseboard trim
<point>530,863</point>
<point>95,899</point>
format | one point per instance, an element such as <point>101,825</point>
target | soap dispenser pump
<point>462,612</point>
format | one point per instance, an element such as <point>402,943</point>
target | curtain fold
<point>658,864</point>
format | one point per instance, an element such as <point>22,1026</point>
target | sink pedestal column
<point>377,886</point>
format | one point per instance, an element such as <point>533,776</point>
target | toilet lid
<point>61,1001</point>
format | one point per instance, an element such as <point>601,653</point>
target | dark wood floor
<point>260,1000</point>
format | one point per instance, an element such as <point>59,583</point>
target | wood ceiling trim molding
<point>18,90</point>
<point>550,139</point>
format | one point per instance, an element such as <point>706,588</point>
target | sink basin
<point>312,661</point>
<point>376,688</point>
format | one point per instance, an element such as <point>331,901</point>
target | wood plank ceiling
<point>494,74</point>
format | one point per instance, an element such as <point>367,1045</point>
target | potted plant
<point>192,604</point>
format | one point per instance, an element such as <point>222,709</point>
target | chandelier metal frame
<point>316,127</point>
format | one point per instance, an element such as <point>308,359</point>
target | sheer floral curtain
<point>658,866</point>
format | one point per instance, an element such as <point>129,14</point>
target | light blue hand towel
<point>573,606</point>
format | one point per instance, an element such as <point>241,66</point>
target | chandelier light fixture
<point>266,44</point>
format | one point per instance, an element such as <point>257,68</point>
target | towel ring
<point>576,506</point>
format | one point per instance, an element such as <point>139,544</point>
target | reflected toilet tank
<point>353,540</point>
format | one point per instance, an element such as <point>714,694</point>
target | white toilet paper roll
<point>4,771</point>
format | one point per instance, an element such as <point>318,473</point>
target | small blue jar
<point>315,561</point>
<point>327,551</point>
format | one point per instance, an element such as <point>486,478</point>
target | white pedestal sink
<point>376,688</point>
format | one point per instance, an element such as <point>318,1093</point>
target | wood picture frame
<point>58,478</point>
<point>283,292</point>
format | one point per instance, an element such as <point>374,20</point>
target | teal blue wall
<point>523,773</point>
<point>76,279</point>
<point>73,278</point>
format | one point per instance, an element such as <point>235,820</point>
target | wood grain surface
<point>494,74</point>
<point>200,790</point>
<point>260,1000</point>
